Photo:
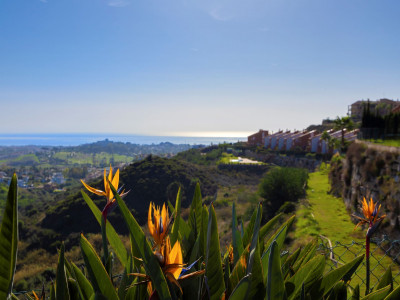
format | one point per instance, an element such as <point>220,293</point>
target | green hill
<point>153,179</point>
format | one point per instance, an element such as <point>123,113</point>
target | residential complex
<point>302,141</point>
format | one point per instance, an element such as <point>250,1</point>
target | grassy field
<point>73,158</point>
<point>322,214</point>
<point>392,143</point>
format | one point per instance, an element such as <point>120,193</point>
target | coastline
<point>65,140</point>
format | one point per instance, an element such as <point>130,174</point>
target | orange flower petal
<point>93,190</point>
<point>150,220</point>
<point>175,258</point>
<point>115,180</point>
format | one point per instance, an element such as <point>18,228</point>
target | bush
<point>282,185</point>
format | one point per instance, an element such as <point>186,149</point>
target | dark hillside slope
<point>152,179</point>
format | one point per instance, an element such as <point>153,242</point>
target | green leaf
<point>197,207</point>
<point>338,292</point>
<point>275,284</point>
<point>112,236</point>
<point>214,273</point>
<point>290,261</point>
<point>203,232</point>
<point>305,255</point>
<point>282,231</point>
<point>9,241</point>
<point>73,289</point>
<point>237,242</point>
<point>227,274</point>
<point>242,289</point>
<point>98,275</point>
<point>386,280</point>
<point>249,230</point>
<point>98,296</point>
<point>257,288</point>
<point>278,238</point>
<point>394,295</point>
<point>330,279</point>
<point>378,294</point>
<point>61,278</point>
<point>83,283</point>
<point>254,267</point>
<point>308,274</point>
<point>195,251</point>
<point>265,229</point>
<point>171,207</point>
<point>175,228</point>
<point>52,292</point>
<point>106,261</point>
<point>142,246</point>
<point>254,240</point>
<point>126,280</point>
<point>356,293</point>
<point>240,268</point>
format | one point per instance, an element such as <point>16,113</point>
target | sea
<point>79,139</point>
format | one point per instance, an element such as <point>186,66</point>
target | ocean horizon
<point>65,140</point>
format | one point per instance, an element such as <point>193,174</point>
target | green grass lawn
<point>72,158</point>
<point>226,158</point>
<point>326,215</point>
<point>393,143</point>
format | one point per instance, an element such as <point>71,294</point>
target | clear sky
<point>167,67</point>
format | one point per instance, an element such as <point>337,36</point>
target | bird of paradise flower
<point>107,190</point>
<point>371,217</point>
<point>170,259</point>
<point>110,205</point>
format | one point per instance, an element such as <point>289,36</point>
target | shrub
<point>282,185</point>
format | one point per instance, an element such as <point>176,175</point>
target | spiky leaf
<point>112,236</point>
<point>214,273</point>
<point>275,284</point>
<point>307,274</point>
<point>9,241</point>
<point>241,291</point>
<point>175,228</point>
<point>237,242</point>
<point>61,278</point>
<point>329,280</point>
<point>83,283</point>
<point>378,294</point>
<point>99,278</point>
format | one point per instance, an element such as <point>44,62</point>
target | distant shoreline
<point>65,140</point>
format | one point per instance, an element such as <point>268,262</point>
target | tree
<point>342,124</point>
<point>282,185</point>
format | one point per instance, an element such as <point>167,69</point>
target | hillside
<point>152,179</point>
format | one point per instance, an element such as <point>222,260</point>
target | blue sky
<point>192,67</point>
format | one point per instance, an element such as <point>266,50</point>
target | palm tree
<point>326,138</point>
<point>342,124</point>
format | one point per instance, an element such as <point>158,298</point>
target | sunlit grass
<point>392,143</point>
<point>322,214</point>
<point>71,158</point>
<point>226,158</point>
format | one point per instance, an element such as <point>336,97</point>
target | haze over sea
<point>79,139</point>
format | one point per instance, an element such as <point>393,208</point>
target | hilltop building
<point>381,107</point>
